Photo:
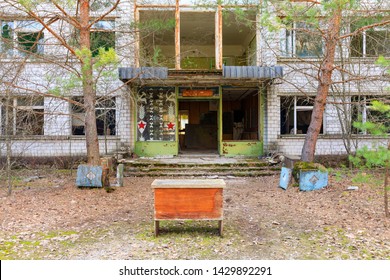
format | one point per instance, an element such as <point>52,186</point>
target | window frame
<point>296,108</point>
<point>288,43</point>
<point>364,40</point>
<point>363,109</point>
<point>80,113</point>
<point>18,48</point>
<point>14,115</point>
<point>101,27</point>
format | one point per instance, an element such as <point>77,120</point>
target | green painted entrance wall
<point>156,148</point>
<point>225,148</point>
<point>242,148</point>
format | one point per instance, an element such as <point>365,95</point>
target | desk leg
<point>156,228</point>
<point>220,224</point>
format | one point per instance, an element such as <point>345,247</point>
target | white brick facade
<point>47,79</point>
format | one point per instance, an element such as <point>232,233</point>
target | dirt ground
<point>47,217</point>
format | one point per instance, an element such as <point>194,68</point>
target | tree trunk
<point>324,83</point>
<point>89,92</point>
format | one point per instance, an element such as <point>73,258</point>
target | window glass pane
<point>105,116</point>
<point>101,39</point>
<point>30,41</point>
<point>307,42</point>
<point>7,32</point>
<point>357,46</point>
<point>29,116</point>
<point>156,117</point>
<point>104,24</point>
<point>377,43</point>
<point>296,118</point>
<point>29,25</point>
<point>30,101</point>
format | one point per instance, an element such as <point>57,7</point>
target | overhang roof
<point>229,75</point>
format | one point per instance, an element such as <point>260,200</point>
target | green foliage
<point>106,58</point>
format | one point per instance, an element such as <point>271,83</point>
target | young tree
<point>77,15</point>
<point>378,155</point>
<point>325,19</point>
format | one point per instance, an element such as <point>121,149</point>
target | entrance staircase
<point>190,166</point>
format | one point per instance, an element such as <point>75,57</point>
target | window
<point>29,116</point>
<point>25,116</point>
<point>105,116</point>
<point>361,111</point>
<point>102,36</point>
<point>26,36</point>
<point>302,40</point>
<point>371,43</point>
<point>295,114</point>
<point>7,34</point>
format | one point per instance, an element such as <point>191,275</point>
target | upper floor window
<point>371,43</point>
<point>301,40</point>
<point>21,37</point>
<point>102,36</point>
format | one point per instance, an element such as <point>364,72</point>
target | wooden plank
<point>188,183</point>
<point>188,203</point>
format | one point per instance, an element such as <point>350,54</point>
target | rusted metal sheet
<point>197,93</point>
<point>312,180</point>
<point>252,72</point>
<point>127,73</point>
<point>285,177</point>
<point>89,176</point>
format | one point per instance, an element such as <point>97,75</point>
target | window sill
<point>54,138</point>
<point>331,136</point>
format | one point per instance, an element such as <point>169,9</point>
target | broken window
<point>102,36</point>
<point>24,35</point>
<point>156,114</point>
<point>105,109</point>
<point>239,37</point>
<point>29,37</point>
<point>371,43</point>
<point>240,118</point>
<point>295,114</point>
<point>157,38</point>
<point>361,112</point>
<point>301,40</point>
<point>29,112</point>
<point>7,36</point>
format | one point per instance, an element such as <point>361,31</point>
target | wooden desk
<point>188,199</point>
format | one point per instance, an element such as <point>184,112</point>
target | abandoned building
<point>189,78</point>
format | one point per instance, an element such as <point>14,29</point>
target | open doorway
<point>198,126</point>
<point>240,114</point>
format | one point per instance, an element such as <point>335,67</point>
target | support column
<point>177,36</point>
<point>218,38</point>
<point>137,37</point>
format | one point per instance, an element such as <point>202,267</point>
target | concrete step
<point>188,168</point>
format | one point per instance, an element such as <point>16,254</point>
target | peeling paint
<point>242,148</point>
<point>157,148</point>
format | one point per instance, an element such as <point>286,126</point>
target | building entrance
<point>198,125</point>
